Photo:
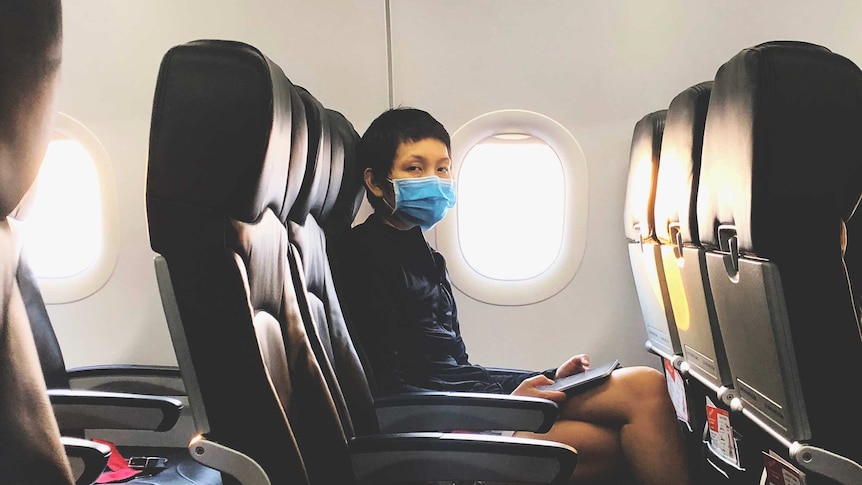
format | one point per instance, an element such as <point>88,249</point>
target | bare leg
<point>627,423</point>
<point>600,454</point>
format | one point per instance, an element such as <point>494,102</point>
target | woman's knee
<point>645,383</point>
<point>630,391</point>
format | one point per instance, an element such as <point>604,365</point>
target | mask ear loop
<point>389,206</point>
<point>393,193</point>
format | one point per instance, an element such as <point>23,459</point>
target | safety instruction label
<point>777,471</point>
<point>721,433</point>
<point>676,389</point>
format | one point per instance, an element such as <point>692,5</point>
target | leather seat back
<point>640,232</point>
<point>780,182</point>
<point>229,132</point>
<point>683,256</point>
<point>328,201</point>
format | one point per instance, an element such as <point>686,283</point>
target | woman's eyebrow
<point>414,157</point>
<point>421,158</point>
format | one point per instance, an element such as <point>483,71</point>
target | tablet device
<point>576,382</point>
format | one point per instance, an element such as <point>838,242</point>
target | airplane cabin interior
<point>698,221</point>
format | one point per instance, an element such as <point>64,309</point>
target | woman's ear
<point>369,183</point>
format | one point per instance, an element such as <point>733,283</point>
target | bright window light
<point>517,234</point>
<point>511,205</point>
<point>63,227</point>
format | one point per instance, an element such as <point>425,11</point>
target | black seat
<point>97,400</point>
<point>683,256</point>
<point>643,244</point>
<point>222,139</point>
<point>318,188</point>
<point>703,365</point>
<point>92,402</point>
<point>229,131</point>
<point>329,198</point>
<point>136,407</point>
<point>780,182</point>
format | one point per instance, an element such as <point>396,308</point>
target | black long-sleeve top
<point>400,308</point>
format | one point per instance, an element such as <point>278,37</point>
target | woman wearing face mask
<point>400,304</point>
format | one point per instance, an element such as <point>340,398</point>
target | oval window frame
<point>550,282</point>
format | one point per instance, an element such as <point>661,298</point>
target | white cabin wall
<point>597,68</point>
<point>112,51</point>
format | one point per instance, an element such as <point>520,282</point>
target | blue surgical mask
<point>423,201</point>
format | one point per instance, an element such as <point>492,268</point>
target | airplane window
<point>66,210</point>
<point>506,179</point>
<point>69,218</point>
<point>517,233</point>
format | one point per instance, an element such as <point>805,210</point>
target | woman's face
<point>421,159</point>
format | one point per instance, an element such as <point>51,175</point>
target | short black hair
<point>387,132</point>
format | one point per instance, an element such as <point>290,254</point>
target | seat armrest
<point>136,379</point>
<point>826,463</point>
<point>227,460</point>
<point>464,411</point>
<point>87,458</point>
<point>421,457</point>
<point>76,409</point>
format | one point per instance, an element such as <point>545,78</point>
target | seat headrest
<point>679,165</point>
<point>643,166</point>
<point>327,191</point>
<point>30,55</point>
<point>315,179</point>
<point>336,166</point>
<point>228,130</point>
<point>345,202</point>
<point>780,150</point>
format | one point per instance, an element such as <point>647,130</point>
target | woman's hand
<point>528,387</point>
<point>574,365</point>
